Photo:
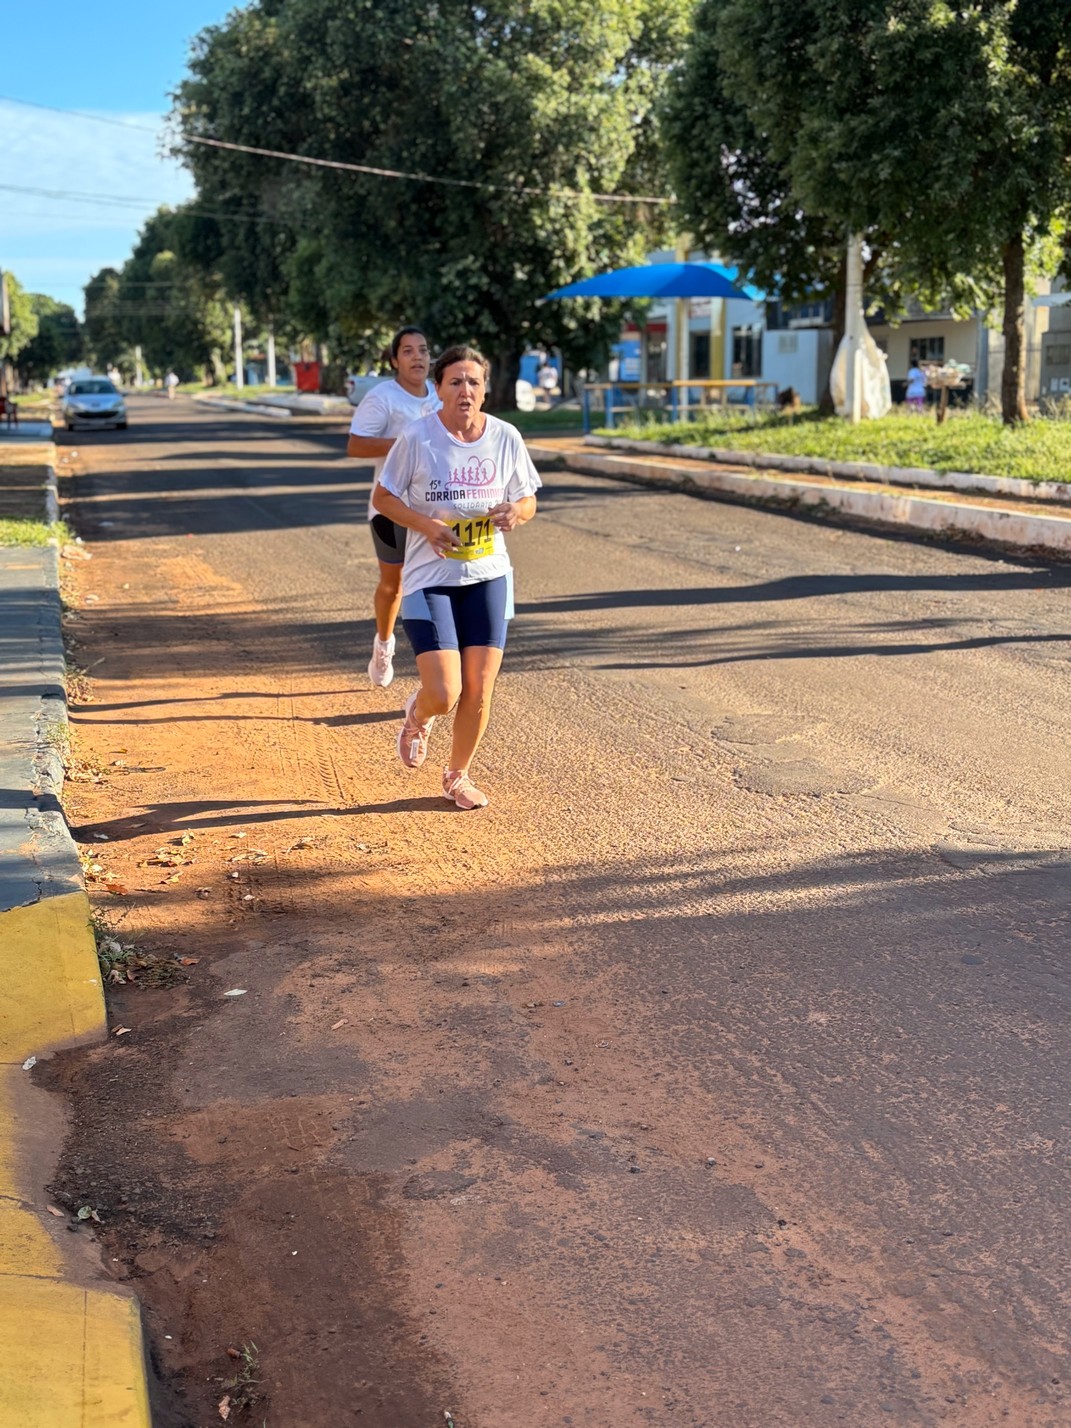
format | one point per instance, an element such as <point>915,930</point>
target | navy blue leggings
<point>457,617</point>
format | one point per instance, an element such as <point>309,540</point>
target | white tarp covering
<point>859,379</point>
<point>873,376</point>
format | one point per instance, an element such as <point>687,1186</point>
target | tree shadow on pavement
<point>201,814</point>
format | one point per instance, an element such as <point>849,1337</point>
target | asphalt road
<point>776,881</point>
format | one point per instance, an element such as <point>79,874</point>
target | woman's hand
<point>440,537</point>
<point>506,516</point>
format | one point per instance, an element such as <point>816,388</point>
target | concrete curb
<point>307,405</point>
<point>52,514</point>
<point>965,481</point>
<point>73,1355</point>
<point>995,525</point>
<point>247,408</point>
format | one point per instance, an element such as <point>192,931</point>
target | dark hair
<point>403,332</point>
<point>459,354</point>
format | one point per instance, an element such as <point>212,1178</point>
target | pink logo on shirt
<point>475,472</point>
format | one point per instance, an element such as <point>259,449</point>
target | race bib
<point>477,537</point>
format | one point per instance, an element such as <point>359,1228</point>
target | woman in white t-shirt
<point>457,480</point>
<point>381,415</point>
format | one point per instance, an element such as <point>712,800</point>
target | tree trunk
<point>1013,379</point>
<point>505,368</point>
<point>840,309</point>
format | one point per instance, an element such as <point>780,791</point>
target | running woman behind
<point>457,480</point>
<point>381,415</point>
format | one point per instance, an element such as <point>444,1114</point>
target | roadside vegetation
<point>228,389</point>
<point>966,441</point>
<point>26,532</point>
<point>558,419</point>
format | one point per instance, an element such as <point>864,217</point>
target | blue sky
<point>118,62</point>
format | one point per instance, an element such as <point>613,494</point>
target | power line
<point>425,178</point>
<point>106,200</point>
<point>359,168</point>
<point>77,114</point>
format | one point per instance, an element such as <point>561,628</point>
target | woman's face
<point>461,391</point>
<point>412,362</point>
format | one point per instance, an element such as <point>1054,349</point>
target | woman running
<point>381,415</point>
<point>457,480</point>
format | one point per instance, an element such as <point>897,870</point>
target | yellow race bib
<point>477,537</point>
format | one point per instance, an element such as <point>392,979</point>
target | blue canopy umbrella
<point>663,280</point>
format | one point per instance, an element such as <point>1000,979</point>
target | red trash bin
<point>307,376</point>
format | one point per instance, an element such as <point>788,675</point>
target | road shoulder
<point>73,1351</point>
<point>1000,520</point>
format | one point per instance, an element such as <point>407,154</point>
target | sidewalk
<point>989,509</point>
<point>285,405</point>
<point>72,1343</point>
<point>26,431</point>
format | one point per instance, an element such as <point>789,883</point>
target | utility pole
<point>854,327</point>
<point>5,331</point>
<point>271,355</point>
<point>239,366</point>
<point>137,365</point>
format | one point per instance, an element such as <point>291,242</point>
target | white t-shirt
<point>385,411</point>
<point>457,482</point>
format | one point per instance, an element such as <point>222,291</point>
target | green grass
<point>16,532</point>
<point>968,441</point>
<point>554,419</point>
<point>228,389</point>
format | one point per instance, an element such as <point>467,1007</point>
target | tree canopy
<point>167,299</point>
<point>518,111</point>
<point>56,344</point>
<point>23,320</point>
<point>938,130</point>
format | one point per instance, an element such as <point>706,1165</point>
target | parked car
<point>358,387</point>
<point>94,401</point>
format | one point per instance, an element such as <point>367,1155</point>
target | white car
<point>94,401</point>
<point>359,387</point>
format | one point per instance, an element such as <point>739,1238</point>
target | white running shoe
<point>413,737</point>
<point>381,665</point>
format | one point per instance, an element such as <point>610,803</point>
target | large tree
<point>58,341</point>
<point>174,310</point>
<point>938,130</point>
<point>22,320</point>
<point>518,111</point>
<point>162,301</point>
<point>103,326</point>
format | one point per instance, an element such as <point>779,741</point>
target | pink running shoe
<point>460,789</point>
<point>413,737</point>
<point>381,665</point>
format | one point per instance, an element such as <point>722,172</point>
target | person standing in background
<point>381,416</point>
<point>915,396</point>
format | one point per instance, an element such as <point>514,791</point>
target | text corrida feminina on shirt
<point>435,472</point>
<point>475,481</point>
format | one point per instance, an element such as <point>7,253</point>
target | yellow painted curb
<point>50,988</point>
<point>72,1357</point>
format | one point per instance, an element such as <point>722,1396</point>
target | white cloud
<point>54,245</point>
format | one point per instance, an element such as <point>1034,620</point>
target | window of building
<point>656,359</point>
<point>1058,354</point>
<point>927,349</point>
<point>747,351</point>
<point>700,356</point>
